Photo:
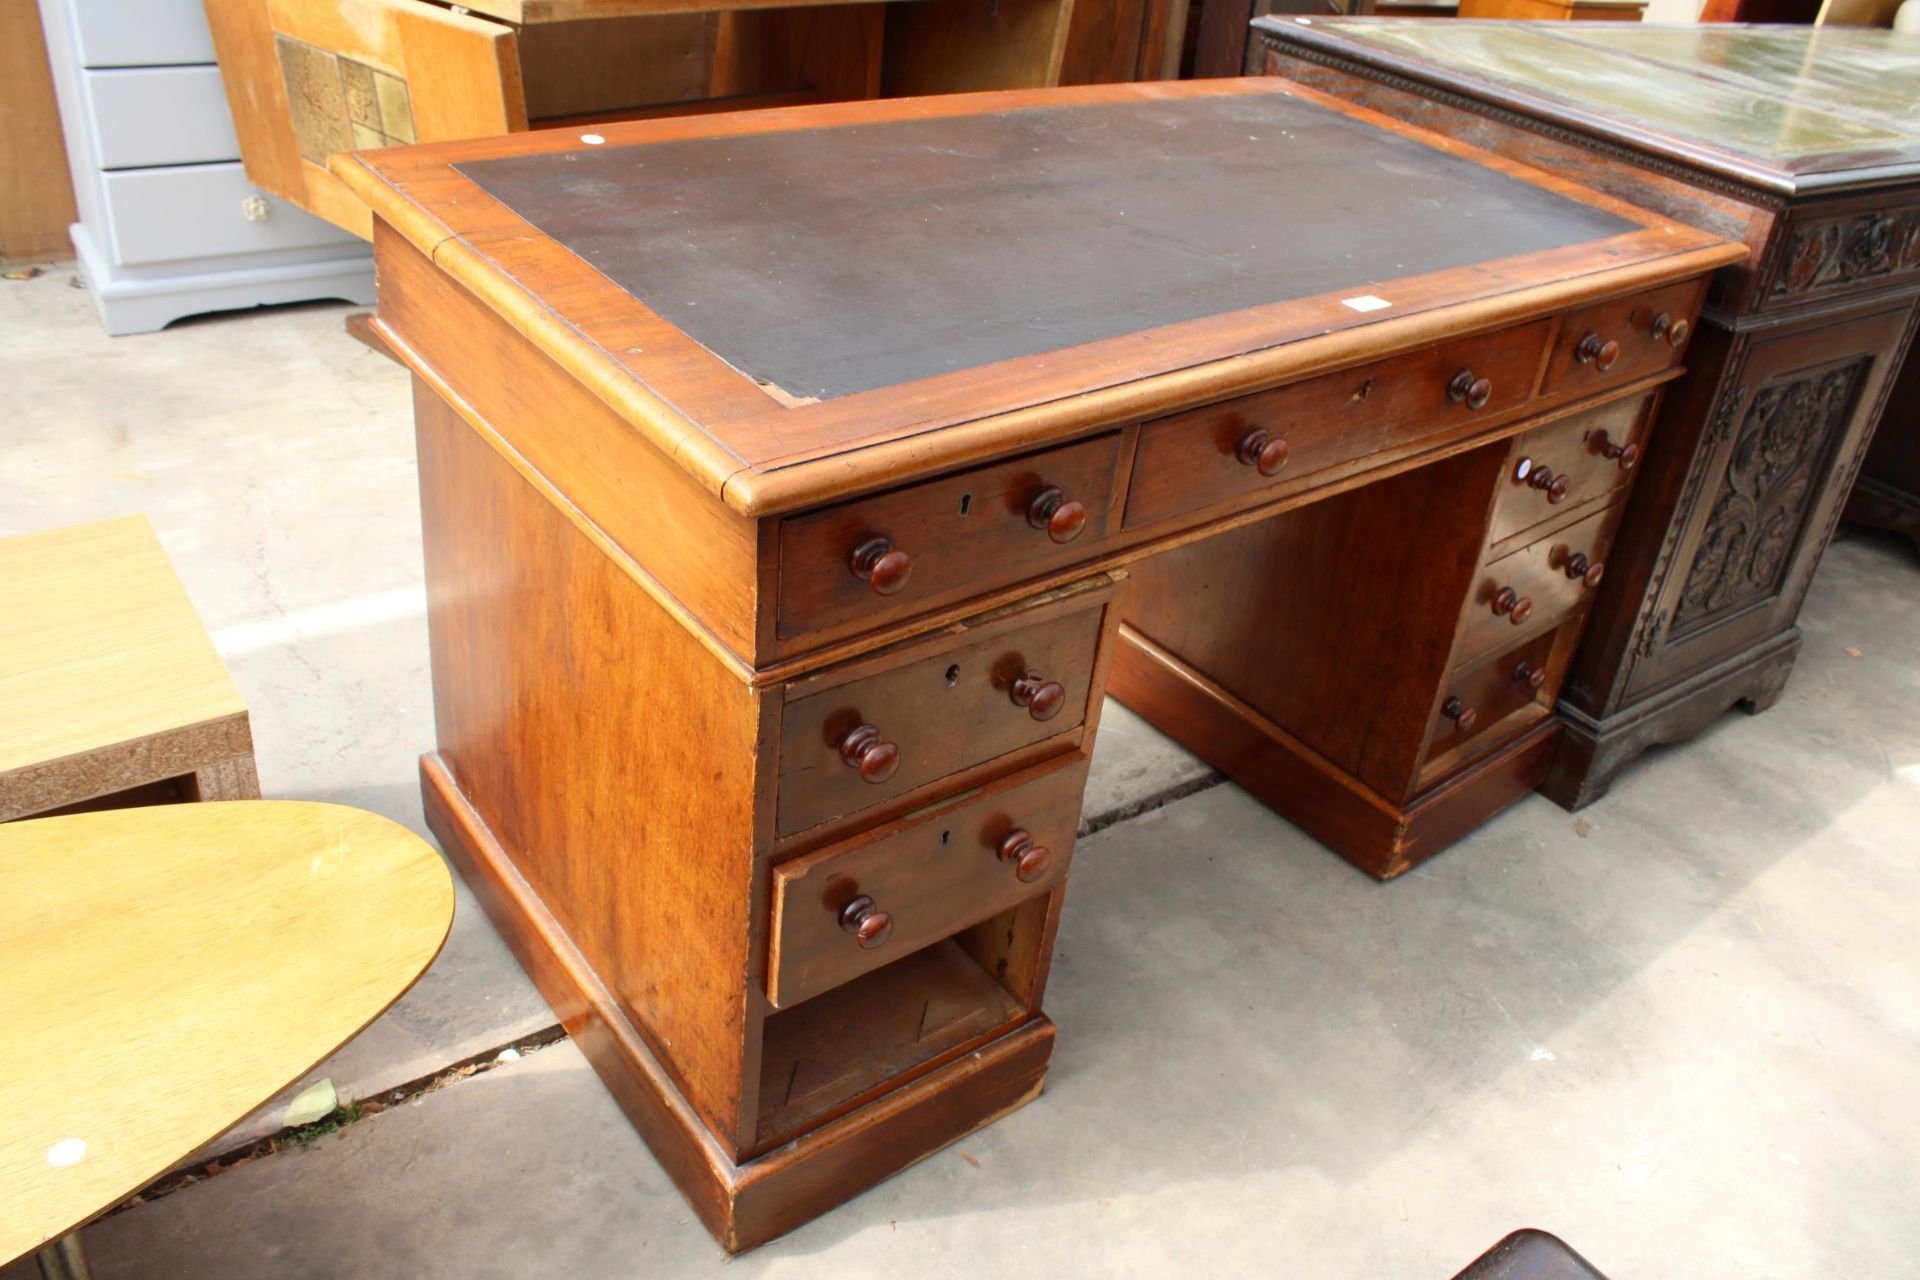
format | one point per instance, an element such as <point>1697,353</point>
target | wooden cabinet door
<point>1787,433</point>
<point>308,78</point>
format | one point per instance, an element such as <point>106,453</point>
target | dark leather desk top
<point>1790,109</point>
<point>833,261</point>
<point>789,301</point>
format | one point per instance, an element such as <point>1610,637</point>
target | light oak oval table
<point>166,970</point>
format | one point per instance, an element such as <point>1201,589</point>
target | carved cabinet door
<point>1787,433</point>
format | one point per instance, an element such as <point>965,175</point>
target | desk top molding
<point>765,452</point>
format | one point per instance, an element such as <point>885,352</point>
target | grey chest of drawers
<point>169,225</point>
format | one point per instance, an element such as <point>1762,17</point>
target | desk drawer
<point>1212,456</point>
<point>1479,702</point>
<point>1615,342</point>
<point>1557,470</point>
<point>902,552</point>
<point>853,737</point>
<point>915,881</point>
<point>1535,588</point>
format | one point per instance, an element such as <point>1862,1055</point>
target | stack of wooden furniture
<point>1805,144</point>
<point>113,693</point>
<point>169,224</point>
<point>777,548</point>
<point>310,78</point>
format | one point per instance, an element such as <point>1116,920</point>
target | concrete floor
<point>1679,1031</point>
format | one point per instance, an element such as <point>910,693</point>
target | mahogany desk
<point>1805,143</point>
<point>782,476</point>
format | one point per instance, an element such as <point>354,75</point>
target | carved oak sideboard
<point>1803,142</point>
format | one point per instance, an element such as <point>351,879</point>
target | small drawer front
<point>1480,700</point>
<point>951,705</point>
<point>1615,342</point>
<point>149,116</point>
<point>201,211</point>
<point>1557,470</point>
<point>855,906</point>
<point>1535,588</point>
<point>145,33</point>
<point>1215,455</point>
<point>911,549</point>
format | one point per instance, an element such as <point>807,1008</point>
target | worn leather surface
<point>833,261</point>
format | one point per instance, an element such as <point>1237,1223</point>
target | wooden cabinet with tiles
<point>776,571</point>
<point>312,78</point>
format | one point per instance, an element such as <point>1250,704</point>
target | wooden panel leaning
<point>775,579</point>
<point>113,692</point>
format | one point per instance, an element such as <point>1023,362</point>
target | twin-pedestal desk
<point>796,483</point>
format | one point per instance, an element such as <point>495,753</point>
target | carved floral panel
<point>1851,250</point>
<point>1773,476</point>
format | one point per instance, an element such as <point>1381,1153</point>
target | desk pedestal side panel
<point>609,787</point>
<point>1756,449</point>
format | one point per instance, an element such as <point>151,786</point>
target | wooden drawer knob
<point>864,749</point>
<point>1555,486</point>
<point>1511,605</point>
<point>1589,572</point>
<point>1059,515</point>
<point>1530,674</point>
<point>1463,716</point>
<point>1041,697</point>
<point>1624,454</point>
<point>1475,392</point>
<point>884,566</point>
<point>1260,450</point>
<point>869,925</point>
<point>1596,351</point>
<point>1673,332</point>
<point>1030,860</point>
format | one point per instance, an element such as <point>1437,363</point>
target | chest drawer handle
<point>1598,352</point>
<point>1463,716</point>
<point>1511,605</point>
<point>1261,451</point>
<point>1672,332</point>
<point>869,925</point>
<point>864,749</point>
<point>1589,572</point>
<point>1474,392</point>
<point>1059,515</point>
<point>1530,674</point>
<point>1624,454</point>
<point>1041,697</point>
<point>1029,860</point>
<point>884,566</point>
<point>1556,487</point>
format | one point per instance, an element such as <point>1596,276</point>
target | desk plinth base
<point>1380,838</point>
<point>1593,751</point>
<point>748,1203</point>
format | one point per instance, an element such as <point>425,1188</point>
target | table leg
<point>65,1259</point>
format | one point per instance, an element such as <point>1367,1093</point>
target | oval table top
<point>164,971</point>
